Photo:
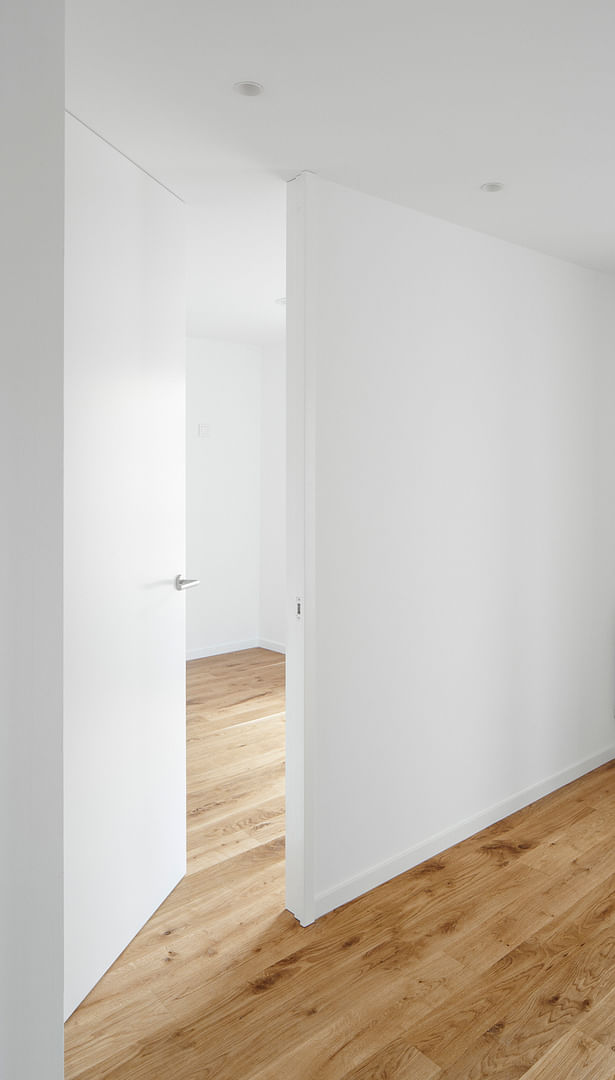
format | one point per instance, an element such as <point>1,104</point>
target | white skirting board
<point>235,646</point>
<point>273,646</point>
<point>435,845</point>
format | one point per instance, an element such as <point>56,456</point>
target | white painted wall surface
<point>459,586</point>
<point>236,469</point>
<point>273,603</point>
<point>124,735</point>
<point>31,286</point>
<point>223,485</point>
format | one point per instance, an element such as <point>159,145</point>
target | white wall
<point>235,496</point>
<point>124,727</point>
<point>273,613</point>
<point>223,384</point>
<point>459,590</point>
<point>31,285</point>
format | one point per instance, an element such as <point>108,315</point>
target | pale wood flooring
<point>495,959</point>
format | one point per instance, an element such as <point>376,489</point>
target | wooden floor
<point>496,959</point>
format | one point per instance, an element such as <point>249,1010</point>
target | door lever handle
<point>182,583</point>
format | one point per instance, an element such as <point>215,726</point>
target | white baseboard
<point>435,845</point>
<point>234,646</point>
<point>224,647</point>
<point>273,646</point>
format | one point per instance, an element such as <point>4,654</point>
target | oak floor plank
<point>546,1010</point>
<point>396,1061</point>
<point>575,1056</point>
<point>357,1038</point>
<point>559,969</point>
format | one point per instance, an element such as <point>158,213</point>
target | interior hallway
<point>496,959</point>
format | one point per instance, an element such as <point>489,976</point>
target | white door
<point>124,740</point>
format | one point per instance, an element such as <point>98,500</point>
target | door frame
<point>300,667</point>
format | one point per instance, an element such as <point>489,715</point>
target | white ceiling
<point>418,102</point>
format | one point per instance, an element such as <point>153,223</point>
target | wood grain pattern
<point>495,959</point>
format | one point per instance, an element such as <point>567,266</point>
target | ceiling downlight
<point>248,89</point>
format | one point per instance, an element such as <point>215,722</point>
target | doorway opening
<point>236,618</point>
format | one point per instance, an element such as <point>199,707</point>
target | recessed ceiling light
<point>281,300</point>
<point>248,89</point>
<point>492,185</point>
